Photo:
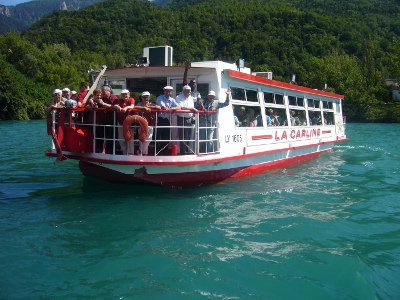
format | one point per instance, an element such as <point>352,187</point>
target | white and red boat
<point>235,152</point>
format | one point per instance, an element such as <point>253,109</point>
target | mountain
<point>350,45</point>
<point>22,16</point>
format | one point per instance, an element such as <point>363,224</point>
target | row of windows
<point>278,99</point>
<point>250,116</point>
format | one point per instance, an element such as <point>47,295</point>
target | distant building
<point>395,88</point>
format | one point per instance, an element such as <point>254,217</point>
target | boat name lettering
<point>297,134</point>
<point>234,138</point>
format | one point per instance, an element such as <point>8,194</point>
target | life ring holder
<point>135,119</point>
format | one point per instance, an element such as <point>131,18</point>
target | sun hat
<point>73,92</point>
<point>125,91</point>
<point>211,93</point>
<point>168,87</point>
<point>66,89</point>
<point>186,87</point>
<point>57,91</point>
<point>145,94</point>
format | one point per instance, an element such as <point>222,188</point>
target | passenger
<point>243,117</point>
<point>281,116</point>
<point>69,103</point>
<point>252,118</point>
<point>109,99</point>
<point>169,104</point>
<point>185,121</point>
<point>294,120</point>
<point>316,118</point>
<point>328,119</point>
<point>274,118</point>
<point>194,93</point>
<point>193,84</point>
<point>57,102</point>
<point>209,120</point>
<point>122,106</point>
<point>97,102</point>
<point>66,93</point>
<point>235,118</point>
<point>83,90</point>
<point>147,106</point>
<point>259,120</point>
<point>303,118</point>
<point>74,95</point>
<point>268,119</point>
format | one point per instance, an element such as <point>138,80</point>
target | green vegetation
<point>21,16</point>
<point>352,46</point>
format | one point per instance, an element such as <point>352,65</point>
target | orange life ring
<point>144,127</point>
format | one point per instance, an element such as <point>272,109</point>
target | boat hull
<point>197,175</point>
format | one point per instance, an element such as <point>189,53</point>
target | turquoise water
<point>329,229</point>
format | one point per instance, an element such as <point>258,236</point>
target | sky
<point>12,2</point>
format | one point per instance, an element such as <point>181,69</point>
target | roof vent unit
<point>158,56</point>
<point>263,74</point>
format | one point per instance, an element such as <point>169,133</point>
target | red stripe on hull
<point>190,179</point>
<point>261,137</point>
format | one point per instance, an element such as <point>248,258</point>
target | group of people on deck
<point>189,100</point>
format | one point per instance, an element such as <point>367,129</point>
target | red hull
<point>189,179</point>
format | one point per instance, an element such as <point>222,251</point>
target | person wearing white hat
<point>185,121</point>
<point>122,106</point>
<point>146,106</point>
<point>74,94</point>
<point>168,104</point>
<point>69,103</point>
<point>57,102</point>
<point>66,92</point>
<point>207,123</point>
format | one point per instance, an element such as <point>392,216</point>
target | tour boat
<point>306,123</point>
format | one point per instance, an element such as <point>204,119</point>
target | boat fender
<point>134,119</point>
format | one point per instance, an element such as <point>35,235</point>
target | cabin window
<point>238,94</point>
<point>251,96</point>
<point>327,105</point>
<point>313,103</point>
<point>154,85</point>
<point>247,116</point>
<point>268,98</point>
<point>297,117</point>
<point>292,101</point>
<point>244,95</point>
<point>279,99</point>
<point>271,98</point>
<point>327,114</point>
<point>328,118</point>
<point>296,101</point>
<point>314,117</point>
<point>337,108</point>
<point>276,116</point>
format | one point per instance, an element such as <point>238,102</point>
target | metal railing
<point>101,131</point>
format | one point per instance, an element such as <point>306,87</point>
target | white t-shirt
<point>185,102</point>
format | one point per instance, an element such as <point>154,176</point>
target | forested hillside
<point>353,45</point>
<point>20,17</point>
